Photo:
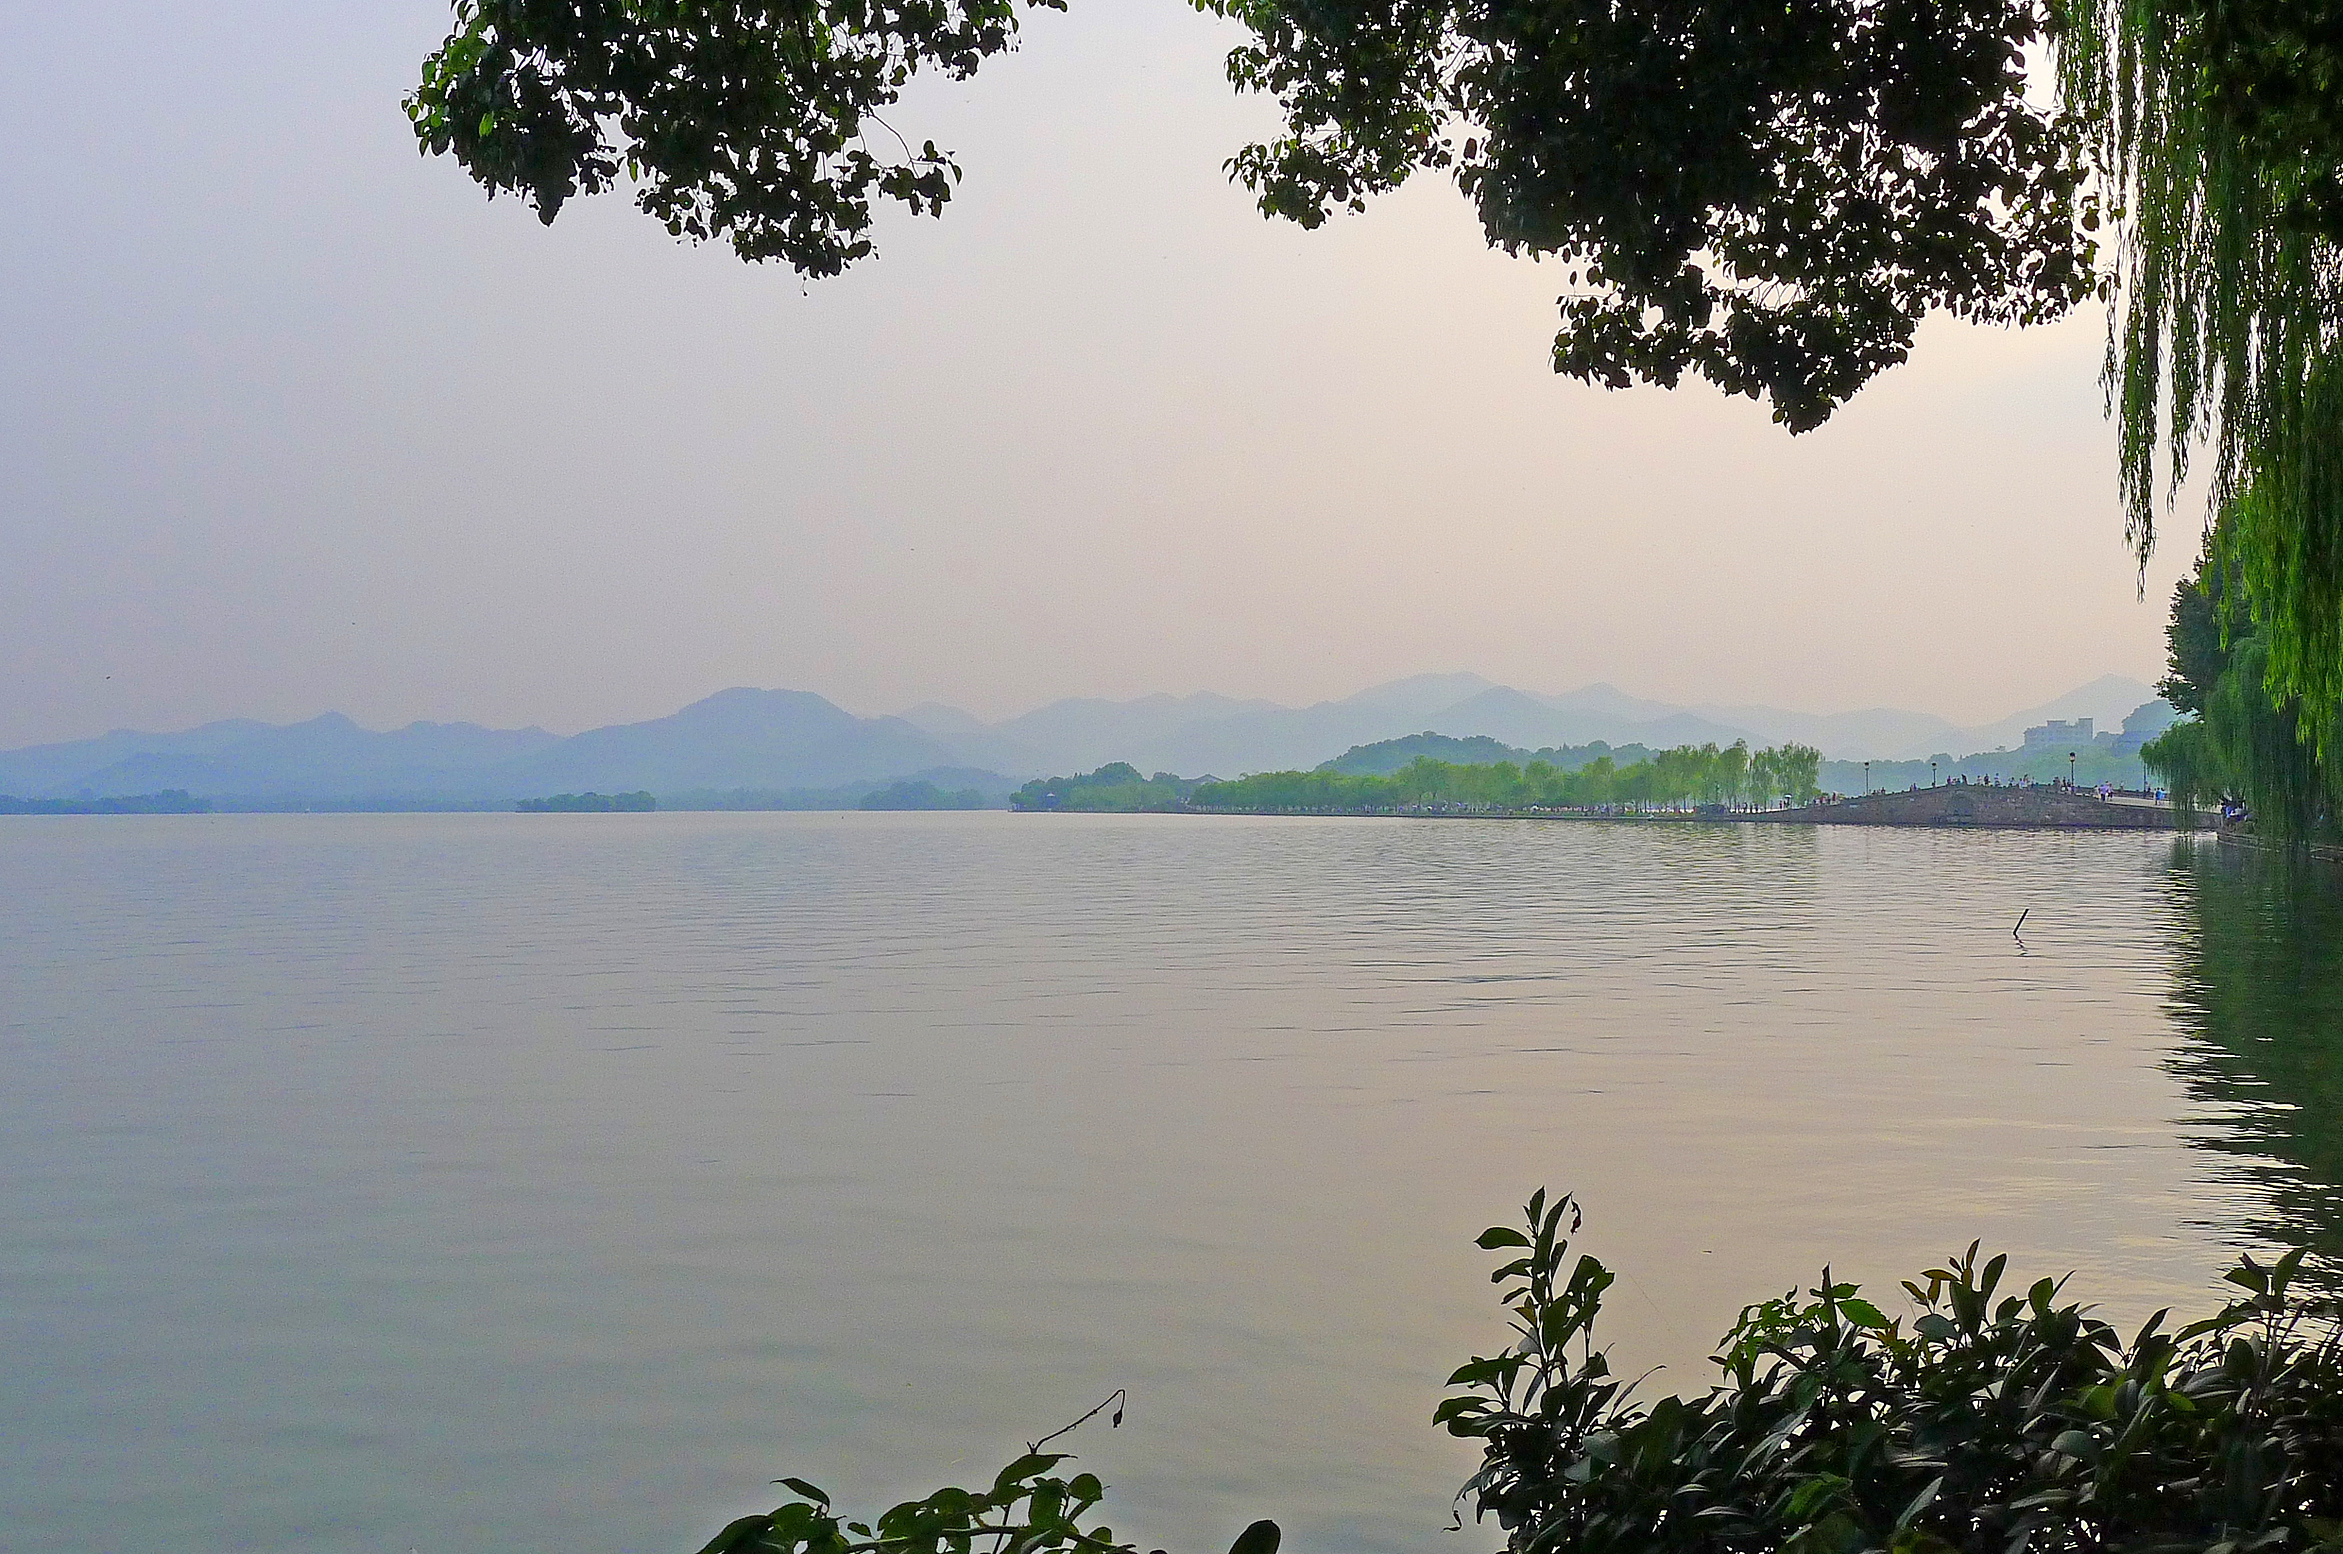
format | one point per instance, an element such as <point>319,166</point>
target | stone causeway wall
<point>1999,808</point>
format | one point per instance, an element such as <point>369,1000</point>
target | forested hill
<point>1670,779</point>
<point>1387,756</point>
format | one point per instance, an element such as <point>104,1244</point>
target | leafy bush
<point>1983,1423</point>
<point>1028,1510</point>
<point>2010,1425</point>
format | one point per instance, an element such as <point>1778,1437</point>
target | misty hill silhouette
<point>1206,733</point>
<point>782,740</point>
<point>738,738</point>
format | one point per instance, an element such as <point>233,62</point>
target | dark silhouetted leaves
<point>1767,193</point>
<point>756,123</point>
<point>1027,1510</point>
<point>1260,1538</point>
<point>1986,1427</point>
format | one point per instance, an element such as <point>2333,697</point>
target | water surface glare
<point>490,1182</point>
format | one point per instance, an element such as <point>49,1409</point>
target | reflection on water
<point>448,1183</point>
<point>2258,977</point>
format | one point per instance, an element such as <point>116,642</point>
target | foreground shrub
<point>1028,1510</point>
<point>1987,1423</point>
<point>1981,1423</point>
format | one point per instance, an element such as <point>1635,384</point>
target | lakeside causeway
<point>2043,807</point>
<point>2027,808</point>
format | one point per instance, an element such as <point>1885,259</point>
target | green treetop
<point>1769,194</point>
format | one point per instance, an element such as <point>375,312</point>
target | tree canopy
<point>760,125</point>
<point>2243,744</point>
<point>2217,126</point>
<point>1768,194</point>
<point>1669,779</point>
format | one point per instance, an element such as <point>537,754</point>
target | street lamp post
<point>1932,774</point>
<point>1867,779</point>
<point>2070,771</point>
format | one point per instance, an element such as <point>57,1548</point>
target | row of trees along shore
<point>1734,776</point>
<point>1688,775</point>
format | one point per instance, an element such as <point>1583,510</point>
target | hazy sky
<point>296,420</point>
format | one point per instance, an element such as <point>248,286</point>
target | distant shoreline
<point>1946,807</point>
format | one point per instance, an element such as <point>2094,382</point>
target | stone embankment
<point>2045,807</point>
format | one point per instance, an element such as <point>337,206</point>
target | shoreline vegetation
<point>2109,758</point>
<point>1415,774</point>
<point>1683,779</point>
<point>1988,1415</point>
<point>1394,777</point>
<point>637,803</point>
<point>1436,774</point>
<point>170,801</point>
<point>915,793</point>
<point>918,794</point>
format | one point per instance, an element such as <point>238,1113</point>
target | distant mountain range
<point>1387,756</point>
<point>767,740</point>
<point>775,741</point>
<point>1206,733</point>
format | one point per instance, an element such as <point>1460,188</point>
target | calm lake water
<point>477,1182</point>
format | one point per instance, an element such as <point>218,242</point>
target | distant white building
<point>2069,733</point>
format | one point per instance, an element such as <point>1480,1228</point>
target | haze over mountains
<point>1206,733</point>
<point>780,740</point>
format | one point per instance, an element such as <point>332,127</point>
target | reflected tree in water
<point>2258,981</point>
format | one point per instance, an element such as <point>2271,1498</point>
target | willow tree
<point>2217,125</point>
<point>2244,741</point>
<point>1768,194</point>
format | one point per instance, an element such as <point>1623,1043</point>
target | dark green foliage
<point>755,123</point>
<point>1769,195</point>
<point>1669,778</point>
<point>2183,758</point>
<point>2218,130</point>
<point>1687,774</point>
<point>2257,982</point>
<point>2267,754</point>
<point>921,794</point>
<point>1985,1423</point>
<point>2250,743</point>
<point>1028,1510</point>
<point>1633,770</point>
<point>589,804</point>
<point>2198,645</point>
<point>1982,1422</point>
<point>953,783</point>
<point>170,801</point>
<point>1386,756</point>
<point>1115,788</point>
